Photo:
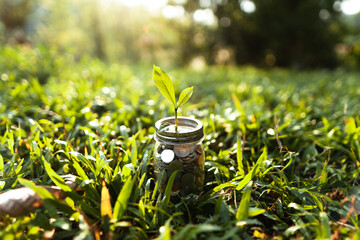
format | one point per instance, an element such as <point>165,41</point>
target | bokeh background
<point>297,34</point>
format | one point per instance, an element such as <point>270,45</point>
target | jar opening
<point>189,130</point>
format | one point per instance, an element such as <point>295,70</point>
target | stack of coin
<point>188,159</point>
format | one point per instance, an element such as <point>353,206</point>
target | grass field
<point>282,150</point>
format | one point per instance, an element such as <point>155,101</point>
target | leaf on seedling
<point>184,96</point>
<point>164,84</point>
<point>105,201</point>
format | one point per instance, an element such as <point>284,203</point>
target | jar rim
<point>194,134</point>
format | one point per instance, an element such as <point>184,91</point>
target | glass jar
<point>180,150</point>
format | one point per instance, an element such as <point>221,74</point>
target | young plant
<point>165,86</point>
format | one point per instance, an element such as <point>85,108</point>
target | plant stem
<point>176,121</point>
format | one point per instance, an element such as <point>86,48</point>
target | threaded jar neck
<point>189,130</point>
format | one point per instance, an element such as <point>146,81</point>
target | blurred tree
<point>14,16</point>
<point>296,33</point>
<point>349,50</point>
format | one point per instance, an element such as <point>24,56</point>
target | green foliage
<point>184,96</point>
<point>165,86</point>
<point>282,151</point>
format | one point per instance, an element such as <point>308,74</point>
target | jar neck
<point>172,142</point>
<point>189,130</point>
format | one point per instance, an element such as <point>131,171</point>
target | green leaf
<point>168,189</point>
<point>239,157</point>
<point>288,164</point>
<point>78,168</point>
<point>59,181</point>
<point>356,236</point>
<point>1,165</point>
<point>184,96</point>
<point>324,174</point>
<point>325,226</point>
<point>254,171</point>
<point>157,185</point>
<point>255,211</point>
<point>142,208</point>
<point>165,231</point>
<point>164,84</point>
<point>248,177</point>
<point>350,125</point>
<point>11,142</point>
<point>191,231</point>
<point>134,152</point>
<point>238,105</point>
<point>44,194</point>
<point>291,230</point>
<point>123,198</point>
<point>55,177</point>
<point>223,185</point>
<point>243,210</point>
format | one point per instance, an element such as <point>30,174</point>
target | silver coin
<point>189,158</point>
<point>183,150</point>
<point>167,156</point>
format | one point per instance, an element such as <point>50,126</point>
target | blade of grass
<point>78,168</point>
<point>59,181</point>
<point>1,166</point>
<point>243,210</point>
<point>44,194</point>
<point>157,185</point>
<point>123,198</point>
<point>325,226</point>
<point>134,152</point>
<point>254,171</point>
<point>168,190</point>
<point>239,157</point>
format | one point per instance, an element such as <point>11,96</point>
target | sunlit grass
<point>282,150</point>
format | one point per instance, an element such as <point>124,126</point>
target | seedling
<point>165,86</point>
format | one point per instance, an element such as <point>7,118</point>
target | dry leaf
<point>21,201</point>
<point>105,201</point>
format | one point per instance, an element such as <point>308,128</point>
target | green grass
<point>278,146</point>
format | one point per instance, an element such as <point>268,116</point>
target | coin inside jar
<point>183,150</point>
<point>176,165</point>
<point>167,155</point>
